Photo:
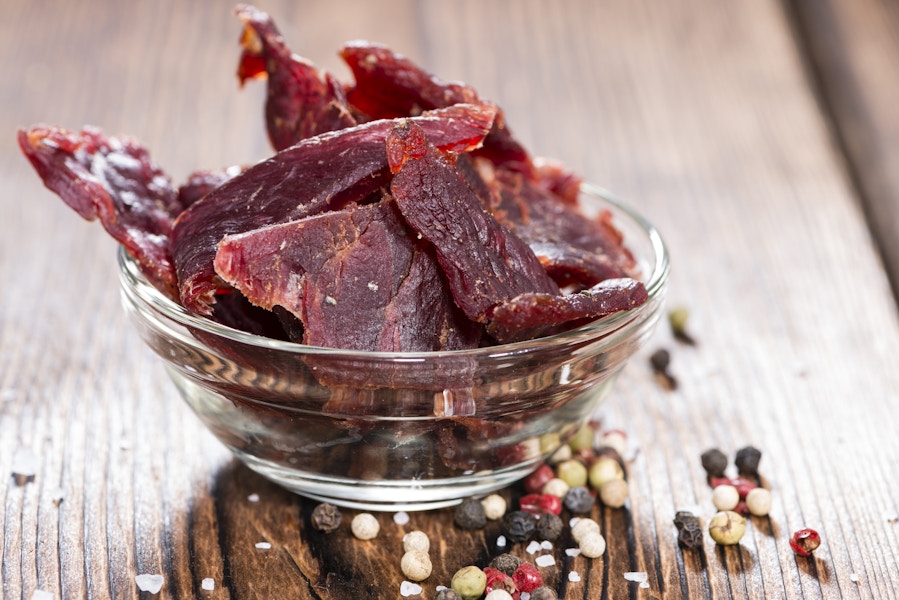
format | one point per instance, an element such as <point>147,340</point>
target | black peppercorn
<point>747,460</point>
<point>326,517</point>
<point>470,514</point>
<point>578,500</point>
<point>683,519</point>
<point>448,594</point>
<point>660,361</point>
<point>519,525</point>
<point>690,537</point>
<point>549,527</point>
<point>714,462</point>
<point>505,563</point>
<point>544,593</point>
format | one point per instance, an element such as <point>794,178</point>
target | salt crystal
<point>545,560</point>
<point>643,584</point>
<point>147,582</point>
<point>501,541</point>
<point>853,577</point>
<point>524,596</point>
<point>41,595</point>
<point>546,545</point>
<point>24,465</point>
<point>533,547</point>
<point>572,551</point>
<point>208,583</point>
<point>253,497</point>
<point>440,587</point>
<point>574,577</point>
<point>635,576</point>
<point>401,518</point>
<point>263,545</point>
<point>407,588</point>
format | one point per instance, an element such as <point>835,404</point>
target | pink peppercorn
<point>803,542</point>
<point>541,503</point>
<point>497,580</point>
<point>744,486</point>
<point>527,578</point>
<point>534,482</point>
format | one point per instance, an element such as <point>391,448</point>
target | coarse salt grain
<point>407,588</point>
<point>546,545</point>
<point>853,577</point>
<point>545,560</point>
<point>208,584</point>
<point>253,497</point>
<point>440,587</point>
<point>639,576</point>
<point>263,545</point>
<point>149,582</point>
<point>574,577</point>
<point>572,551</point>
<point>533,547</point>
<point>501,541</point>
<point>41,595</point>
<point>644,584</point>
<point>401,518</point>
<point>24,464</point>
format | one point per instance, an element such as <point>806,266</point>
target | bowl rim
<point>137,287</point>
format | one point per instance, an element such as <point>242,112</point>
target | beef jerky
<point>199,183</point>
<point>556,178</point>
<point>484,262</point>
<point>532,314</point>
<point>320,173</point>
<point>302,101</point>
<point>356,278</point>
<point>112,179</point>
<point>390,85</point>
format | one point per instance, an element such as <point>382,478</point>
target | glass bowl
<point>398,431</point>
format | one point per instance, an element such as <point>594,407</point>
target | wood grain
<point>699,113</point>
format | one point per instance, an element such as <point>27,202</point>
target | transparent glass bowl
<point>398,431</point>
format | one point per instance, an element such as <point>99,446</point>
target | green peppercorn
<point>747,460</point>
<point>572,471</point>
<point>604,469</point>
<point>469,582</point>
<point>727,528</point>
<point>714,462</point>
<point>470,514</point>
<point>326,517</point>
<point>583,438</point>
<point>519,525</point>
<point>506,563</point>
<point>677,319</point>
<point>549,527</point>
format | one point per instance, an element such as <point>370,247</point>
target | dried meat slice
<point>302,100</point>
<point>356,278</point>
<point>199,183</point>
<point>389,85</point>
<point>531,315</point>
<point>485,263</point>
<point>320,173</point>
<point>112,179</point>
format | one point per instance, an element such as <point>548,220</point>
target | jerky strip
<point>112,179</point>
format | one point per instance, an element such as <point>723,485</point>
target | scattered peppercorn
<point>527,578</point>
<point>714,462</point>
<point>727,528</point>
<point>583,438</point>
<point>689,533</point>
<point>614,493</point>
<point>506,563</point>
<point>447,594</point>
<point>497,580</point>
<point>677,319</point>
<point>583,527</point>
<point>544,593</point>
<point>499,594</point>
<point>549,527</point>
<point>470,582</point>
<point>578,500</point>
<point>470,514</point>
<point>615,439</point>
<point>534,482</point>
<point>725,497</point>
<point>805,541</point>
<point>326,517</point>
<point>744,486</point>
<point>660,361</point>
<point>365,526</point>
<point>572,471</point>
<point>747,461</point>
<point>541,503</point>
<point>416,540</point>
<point>494,507</point>
<point>592,544</point>
<point>603,469</point>
<point>416,565</point>
<point>555,487</point>
<point>519,525</point>
<point>758,502</point>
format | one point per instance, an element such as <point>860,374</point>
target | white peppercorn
<point>416,565</point>
<point>613,493</point>
<point>725,497</point>
<point>758,502</point>
<point>583,527</point>
<point>615,439</point>
<point>561,455</point>
<point>498,594</point>
<point>365,526</point>
<point>494,506</point>
<point>592,544</point>
<point>416,540</point>
<point>555,487</point>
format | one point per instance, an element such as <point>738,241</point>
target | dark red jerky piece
<point>530,315</point>
<point>320,173</point>
<point>389,85</point>
<point>199,183</point>
<point>485,263</point>
<point>356,279</point>
<point>112,179</point>
<point>555,177</point>
<point>302,100</point>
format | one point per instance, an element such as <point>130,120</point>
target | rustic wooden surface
<point>755,143</point>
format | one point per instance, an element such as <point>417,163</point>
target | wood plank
<point>697,112</point>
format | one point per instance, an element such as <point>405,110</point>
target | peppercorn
<point>614,493</point>
<point>714,462</point>
<point>744,486</point>
<point>578,500</point>
<point>506,563</point>
<point>660,361</point>
<point>499,594</point>
<point>592,544</point>
<point>725,497</point>
<point>615,439</point>
<point>561,455</point>
<point>572,471</point>
<point>582,528</point>
<point>583,438</point>
<point>555,487</point>
<point>758,502</point>
<point>541,503</point>
<point>549,527</point>
<point>494,507</point>
<point>470,514</point>
<point>497,580</point>
<point>326,517</point>
<point>727,528</point>
<point>519,525</point>
<point>416,540</point>
<point>447,594</point>
<point>677,320</point>
<point>470,582</point>
<point>527,578</point>
<point>805,541</point>
<point>365,526</point>
<point>690,537</point>
<point>416,565</point>
<point>684,518</point>
<point>747,461</point>
<point>544,593</point>
<point>534,482</point>
<point>603,469</point>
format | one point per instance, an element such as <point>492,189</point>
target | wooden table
<point>761,137</point>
